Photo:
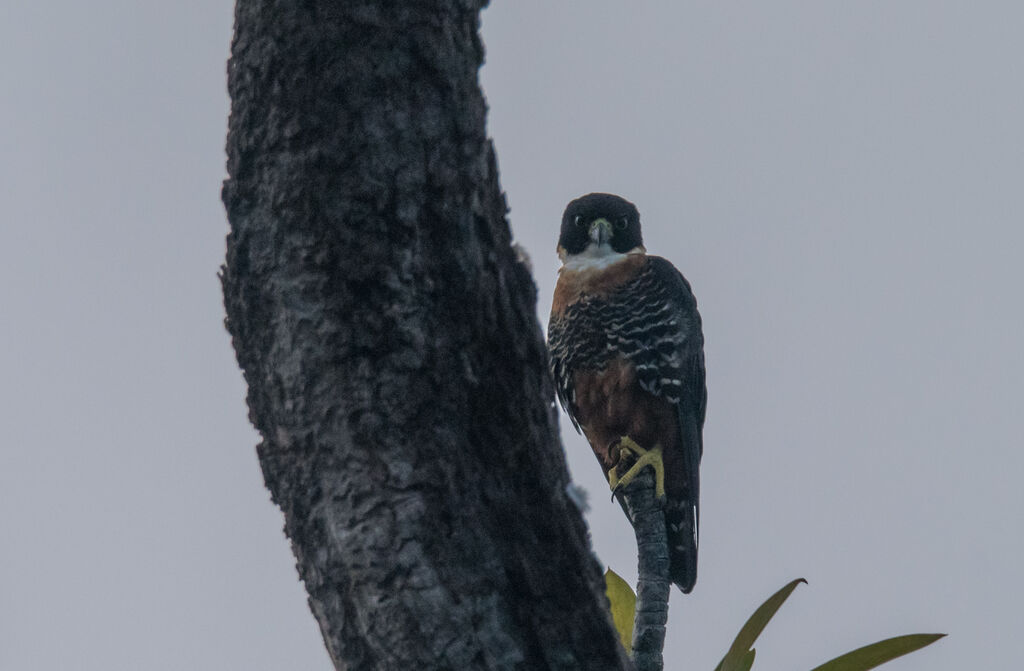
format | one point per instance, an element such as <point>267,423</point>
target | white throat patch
<point>596,257</point>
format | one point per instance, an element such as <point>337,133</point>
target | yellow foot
<point>628,449</point>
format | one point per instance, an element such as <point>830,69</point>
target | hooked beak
<point>601,231</point>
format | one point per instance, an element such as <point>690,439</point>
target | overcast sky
<point>841,182</point>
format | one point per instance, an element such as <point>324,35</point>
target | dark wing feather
<point>683,381</point>
<point>561,350</point>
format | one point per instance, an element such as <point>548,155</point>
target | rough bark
<point>653,585</point>
<point>396,370</point>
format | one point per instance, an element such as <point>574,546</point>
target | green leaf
<point>748,660</point>
<point>879,653</point>
<point>623,603</point>
<point>737,655</point>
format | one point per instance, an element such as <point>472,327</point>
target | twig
<point>653,584</point>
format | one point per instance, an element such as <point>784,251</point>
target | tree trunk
<point>396,370</point>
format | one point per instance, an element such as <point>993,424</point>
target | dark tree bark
<point>396,371</point>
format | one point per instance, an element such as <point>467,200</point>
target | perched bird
<point>627,355</point>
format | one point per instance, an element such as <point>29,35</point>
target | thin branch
<point>653,584</point>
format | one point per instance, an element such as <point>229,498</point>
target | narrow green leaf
<point>623,604</point>
<point>737,654</point>
<point>748,660</point>
<point>879,653</point>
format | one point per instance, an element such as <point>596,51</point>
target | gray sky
<point>841,182</point>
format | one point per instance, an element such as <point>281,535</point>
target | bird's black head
<point>600,223</point>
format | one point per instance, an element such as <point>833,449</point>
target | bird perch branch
<point>653,584</point>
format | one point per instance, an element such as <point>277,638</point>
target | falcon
<point>627,356</point>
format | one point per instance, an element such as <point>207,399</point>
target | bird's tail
<point>681,518</point>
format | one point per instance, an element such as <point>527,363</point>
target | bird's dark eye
<point>622,223</point>
<point>578,220</point>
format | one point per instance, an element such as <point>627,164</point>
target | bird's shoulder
<point>664,273</point>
